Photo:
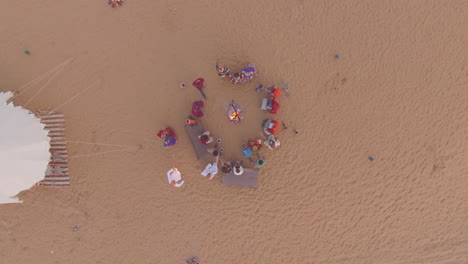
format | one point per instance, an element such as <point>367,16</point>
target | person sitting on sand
<point>236,78</point>
<point>197,108</point>
<point>272,142</point>
<point>206,138</point>
<point>190,121</point>
<point>238,169</point>
<point>249,72</point>
<point>226,167</point>
<point>222,71</point>
<point>270,127</point>
<point>274,106</point>
<point>254,144</point>
<point>274,91</point>
<point>211,169</point>
<point>214,151</point>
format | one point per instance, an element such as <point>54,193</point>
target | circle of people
<point>235,115</point>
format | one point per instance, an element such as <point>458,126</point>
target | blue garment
<point>247,152</point>
<point>170,141</point>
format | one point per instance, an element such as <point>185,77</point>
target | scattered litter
<point>337,56</point>
<point>296,131</point>
<point>27,52</point>
<point>371,158</point>
<point>75,229</point>
<point>182,84</point>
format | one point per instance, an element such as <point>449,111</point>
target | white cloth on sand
<point>211,168</point>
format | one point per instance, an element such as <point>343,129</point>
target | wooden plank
<point>193,132</point>
<point>55,124</point>
<point>248,179</point>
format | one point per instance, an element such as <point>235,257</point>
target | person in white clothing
<point>272,142</point>
<point>211,169</point>
<point>238,170</point>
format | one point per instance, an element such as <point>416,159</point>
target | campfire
<point>234,116</point>
<point>234,113</point>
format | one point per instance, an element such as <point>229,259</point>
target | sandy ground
<point>398,93</point>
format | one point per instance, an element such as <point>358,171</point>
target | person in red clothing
<point>199,84</point>
<point>274,106</point>
<point>206,138</point>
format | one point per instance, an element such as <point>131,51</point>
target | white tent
<point>24,150</point>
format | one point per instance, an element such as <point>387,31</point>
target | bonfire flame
<point>234,116</point>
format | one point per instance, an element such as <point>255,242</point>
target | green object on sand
<point>27,52</point>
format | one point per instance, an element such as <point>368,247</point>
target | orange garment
<point>275,127</point>
<point>190,121</point>
<point>276,92</point>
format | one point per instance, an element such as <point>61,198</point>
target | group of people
<point>270,103</point>
<point>253,146</point>
<point>238,77</point>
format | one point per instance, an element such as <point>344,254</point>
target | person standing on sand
<point>199,84</point>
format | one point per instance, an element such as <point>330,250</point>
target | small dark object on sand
<point>259,88</point>
<point>115,3</point>
<point>284,125</point>
<point>371,158</point>
<point>193,260</point>
<point>296,131</point>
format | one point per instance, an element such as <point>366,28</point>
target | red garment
<point>274,106</point>
<point>203,140</point>
<point>252,143</point>
<point>160,133</point>
<point>168,132</point>
<point>198,83</point>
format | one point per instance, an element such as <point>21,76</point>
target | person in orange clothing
<point>274,91</point>
<point>270,127</point>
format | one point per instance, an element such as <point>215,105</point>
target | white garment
<point>174,175</point>
<point>241,170</point>
<point>211,168</point>
<point>272,142</point>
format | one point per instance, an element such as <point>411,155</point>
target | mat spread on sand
<point>193,131</point>
<point>57,170</point>
<point>248,179</point>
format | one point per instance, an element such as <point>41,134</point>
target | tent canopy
<point>24,150</point>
